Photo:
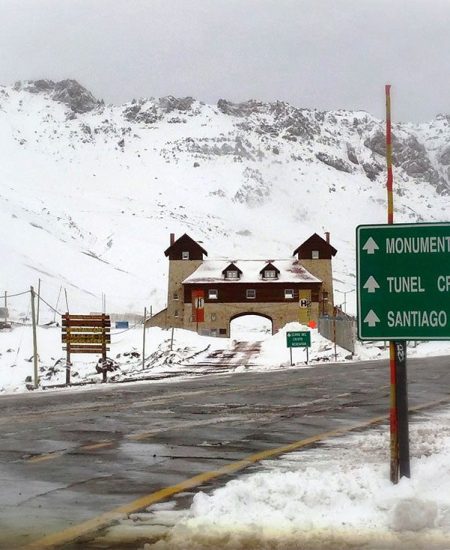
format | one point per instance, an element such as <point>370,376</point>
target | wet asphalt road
<point>68,456</point>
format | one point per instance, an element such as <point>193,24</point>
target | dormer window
<point>232,272</point>
<point>185,255</point>
<point>270,274</point>
<point>269,271</point>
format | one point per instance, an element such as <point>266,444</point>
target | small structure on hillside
<point>206,295</point>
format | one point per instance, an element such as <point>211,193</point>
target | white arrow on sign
<point>372,318</point>
<point>370,246</point>
<point>371,285</point>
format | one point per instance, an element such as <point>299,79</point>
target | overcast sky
<point>326,54</point>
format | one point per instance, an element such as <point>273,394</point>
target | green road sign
<point>298,339</point>
<point>403,281</point>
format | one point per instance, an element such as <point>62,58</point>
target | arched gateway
<point>246,315</point>
<point>206,295</point>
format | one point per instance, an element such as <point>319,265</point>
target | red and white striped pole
<point>393,415</point>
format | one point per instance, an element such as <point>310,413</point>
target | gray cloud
<point>315,53</point>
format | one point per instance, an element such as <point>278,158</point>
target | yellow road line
<point>75,532</point>
<point>96,446</point>
<point>43,458</point>
<point>59,454</point>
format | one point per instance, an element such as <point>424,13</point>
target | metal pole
<point>402,407</point>
<point>171,339</point>
<point>393,415</point>
<point>290,352</point>
<point>6,307</point>
<point>307,355</point>
<point>35,353</point>
<point>143,339</point>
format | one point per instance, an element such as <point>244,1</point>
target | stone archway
<point>250,314</point>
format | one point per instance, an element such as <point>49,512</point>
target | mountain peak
<point>68,91</point>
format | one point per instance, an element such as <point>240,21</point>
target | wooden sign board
<point>85,323</point>
<point>85,334</point>
<point>96,338</point>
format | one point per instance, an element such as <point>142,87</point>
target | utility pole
<point>67,301</point>
<point>143,339</point>
<point>35,353</point>
<point>57,303</point>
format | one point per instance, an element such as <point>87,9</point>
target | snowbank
<point>335,496</point>
<point>16,355</point>
<point>165,358</point>
<point>274,350</point>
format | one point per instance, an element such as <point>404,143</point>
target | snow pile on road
<point>380,350</point>
<point>335,496</point>
<point>274,350</point>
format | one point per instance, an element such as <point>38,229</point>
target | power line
<point>47,304</point>
<point>18,294</point>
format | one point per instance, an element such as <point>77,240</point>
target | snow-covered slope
<point>90,192</point>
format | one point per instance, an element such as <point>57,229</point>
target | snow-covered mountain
<point>90,192</point>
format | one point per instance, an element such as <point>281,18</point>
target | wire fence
<point>5,293</point>
<point>57,312</point>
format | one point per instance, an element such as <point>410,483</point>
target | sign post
<point>393,414</point>
<point>299,339</point>
<point>403,285</point>
<point>403,281</point>
<point>86,334</point>
<point>402,408</point>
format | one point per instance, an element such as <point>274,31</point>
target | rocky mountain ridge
<point>249,176</point>
<point>414,150</point>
